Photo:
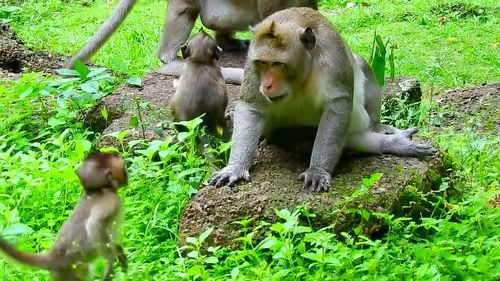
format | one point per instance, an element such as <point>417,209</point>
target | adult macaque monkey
<point>201,88</point>
<point>300,72</point>
<point>223,16</point>
<point>91,230</point>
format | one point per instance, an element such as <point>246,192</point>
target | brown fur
<point>91,228</point>
<point>201,88</point>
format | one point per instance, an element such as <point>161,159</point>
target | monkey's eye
<point>260,63</point>
<point>277,64</point>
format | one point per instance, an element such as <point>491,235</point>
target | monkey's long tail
<point>39,260</point>
<point>102,34</point>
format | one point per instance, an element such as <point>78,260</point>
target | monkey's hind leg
<point>390,130</point>
<point>181,15</point>
<point>399,144</point>
<point>229,44</point>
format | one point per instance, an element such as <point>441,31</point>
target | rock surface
<point>274,185</point>
<point>477,107</point>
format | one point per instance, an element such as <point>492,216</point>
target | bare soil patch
<point>15,56</point>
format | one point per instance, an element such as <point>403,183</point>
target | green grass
<point>42,141</point>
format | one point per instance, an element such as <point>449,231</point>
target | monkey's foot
<point>229,175</point>
<point>402,145</point>
<point>165,56</point>
<point>316,179</point>
<point>234,45</point>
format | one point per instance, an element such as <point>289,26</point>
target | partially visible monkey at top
<point>300,72</point>
<point>91,230</point>
<point>223,16</point>
<point>201,88</point>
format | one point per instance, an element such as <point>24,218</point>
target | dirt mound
<point>476,106</point>
<point>274,186</point>
<point>15,56</point>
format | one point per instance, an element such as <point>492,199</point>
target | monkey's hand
<point>316,179</point>
<point>229,175</point>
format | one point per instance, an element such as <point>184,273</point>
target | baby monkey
<point>92,228</point>
<point>201,88</point>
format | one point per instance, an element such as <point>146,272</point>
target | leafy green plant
<point>378,58</point>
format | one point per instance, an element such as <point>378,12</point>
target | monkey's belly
<point>229,14</point>
<point>360,120</point>
<point>303,112</point>
<point>307,113</point>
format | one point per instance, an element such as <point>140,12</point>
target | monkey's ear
<point>308,38</point>
<point>185,51</point>
<point>110,178</point>
<point>251,28</point>
<point>217,52</point>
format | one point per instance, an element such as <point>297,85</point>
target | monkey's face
<point>273,79</point>
<point>281,57</point>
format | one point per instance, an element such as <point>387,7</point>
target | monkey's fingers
<point>315,181</point>
<point>219,179</point>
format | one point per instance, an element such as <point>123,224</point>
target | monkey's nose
<point>268,89</point>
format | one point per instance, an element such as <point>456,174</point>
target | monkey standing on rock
<point>299,72</point>
<point>223,16</point>
<point>201,88</point>
<point>92,228</point>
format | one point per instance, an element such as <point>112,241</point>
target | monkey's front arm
<point>329,143</point>
<point>247,129</point>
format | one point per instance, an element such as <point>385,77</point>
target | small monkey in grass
<point>92,228</point>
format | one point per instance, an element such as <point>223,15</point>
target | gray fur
<point>223,16</point>
<point>347,120</point>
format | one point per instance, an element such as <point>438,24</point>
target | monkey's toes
<point>229,176</point>
<point>408,133</point>
<point>425,150</point>
<point>165,56</point>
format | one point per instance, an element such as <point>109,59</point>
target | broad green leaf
<point>205,234</point>
<point>135,81</point>
<point>104,113</point>
<point>96,72</point>
<point>133,121</point>
<point>53,122</point>
<point>212,260</point>
<point>193,254</point>
<point>67,72</point>
<point>26,93</point>
<point>90,87</point>
<point>82,69</point>
<point>16,230</point>
<point>9,9</point>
